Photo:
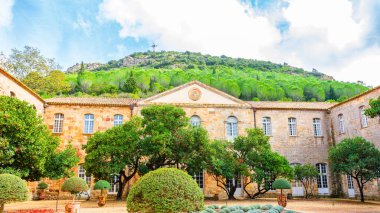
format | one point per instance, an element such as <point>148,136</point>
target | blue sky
<point>338,37</point>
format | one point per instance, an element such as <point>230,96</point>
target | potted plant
<point>281,184</point>
<point>74,185</point>
<point>41,190</point>
<point>103,186</point>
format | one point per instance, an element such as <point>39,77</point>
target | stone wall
<point>353,128</point>
<point>10,86</point>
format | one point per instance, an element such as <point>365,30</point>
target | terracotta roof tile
<point>92,101</point>
<point>291,105</point>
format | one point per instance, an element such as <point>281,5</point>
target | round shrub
<point>74,185</point>
<point>42,185</point>
<point>102,184</point>
<point>165,190</point>
<point>281,184</point>
<point>12,189</point>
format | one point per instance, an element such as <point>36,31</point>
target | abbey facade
<point>302,132</point>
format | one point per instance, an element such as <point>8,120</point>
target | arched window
<point>117,120</point>
<point>322,178</point>
<point>195,120</point>
<point>58,123</point>
<point>267,126</point>
<point>317,126</point>
<point>341,124</point>
<point>12,94</point>
<point>88,123</point>
<point>292,122</point>
<point>363,117</point>
<point>232,128</point>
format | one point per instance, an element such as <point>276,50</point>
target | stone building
<point>10,86</point>
<point>301,131</point>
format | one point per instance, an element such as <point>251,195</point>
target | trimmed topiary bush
<point>165,190</point>
<point>281,184</point>
<point>42,185</point>
<point>12,189</point>
<point>102,184</point>
<point>74,185</point>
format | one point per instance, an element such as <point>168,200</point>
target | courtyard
<point>298,205</point>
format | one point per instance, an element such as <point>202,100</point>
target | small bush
<point>12,189</point>
<point>290,211</point>
<point>266,207</point>
<point>254,211</point>
<point>281,184</point>
<point>165,190</point>
<point>102,184</point>
<point>278,209</point>
<point>74,185</point>
<point>42,185</point>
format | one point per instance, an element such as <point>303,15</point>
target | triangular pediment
<point>192,93</point>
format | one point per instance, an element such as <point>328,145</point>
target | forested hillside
<point>144,74</point>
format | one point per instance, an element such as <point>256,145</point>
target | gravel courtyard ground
<point>320,205</point>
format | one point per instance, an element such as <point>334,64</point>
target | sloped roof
<point>18,82</point>
<point>291,105</point>
<point>94,101</point>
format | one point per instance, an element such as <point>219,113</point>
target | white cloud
<point>82,24</point>
<point>6,12</point>
<point>323,34</point>
<point>214,26</point>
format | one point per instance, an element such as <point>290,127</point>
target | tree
<point>374,110</point>
<point>28,147</point>
<point>115,151</point>
<point>56,83</point>
<point>36,82</point>
<point>224,167</point>
<point>358,158</point>
<point>130,84</point>
<point>307,175</point>
<point>265,165</point>
<point>21,63</point>
<point>169,140</point>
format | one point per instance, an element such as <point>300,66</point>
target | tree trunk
<point>122,184</point>
<point>231,193</point>
<point>2,208</point>
<point>360,185</point>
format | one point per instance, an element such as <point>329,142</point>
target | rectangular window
<point>114,184</point>
<point>88,123</point>
<point>82,174</point>
<point>232,128</point>
<point>198,177</point>
<point>292,122</point>
<point>317,127</point>
<point>117,120</point>
<point>363,117</point>
<point>322,177</point>
<point>267,127</point>
<point>234,182</point>
<point>58,123</point>
<point>341,124</point>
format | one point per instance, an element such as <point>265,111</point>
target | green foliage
<point>165,190</point>
<point>29,148</point>
<point>265,165</point>
<point>358,158</point>
<point>281,184</point>
<point>307,175</point>
<point>102,184</point>
<point>243,78</point>
<point>42,185</point>
<point>168,139</point>
<point>223,166</point>
<point>13,189</point>
<point>110,152</point>
<point>74,185</point>
<point>374,110</point>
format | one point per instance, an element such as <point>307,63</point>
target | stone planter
<point>73,207</point>
<point>281,200</point>
<point>102,200</point>
<point>41,194</point>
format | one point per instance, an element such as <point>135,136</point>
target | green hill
<point>144,74</point>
